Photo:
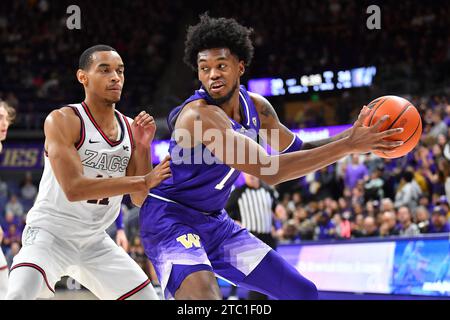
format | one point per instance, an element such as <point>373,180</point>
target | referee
<point>252,206</point>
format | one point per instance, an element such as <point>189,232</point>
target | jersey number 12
<point>104,201</point>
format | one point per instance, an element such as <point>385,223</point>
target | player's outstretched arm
<point>244,154</point>
<point>62,128</point>
<point>144,128</point>
<point>270,124</point>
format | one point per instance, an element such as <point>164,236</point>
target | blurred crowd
<point>298,37</point>
<point>39,54</point>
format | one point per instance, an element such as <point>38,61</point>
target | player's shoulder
<point>63,114</point>
<point>255,96</point>
<point>200,105</point>
<point>63,119</point>
<point>201,110</point>
<point>258,100</point>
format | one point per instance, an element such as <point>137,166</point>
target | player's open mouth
<point>216,87</point>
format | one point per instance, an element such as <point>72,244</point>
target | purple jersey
<point>199,180</point>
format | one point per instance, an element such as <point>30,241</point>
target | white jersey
<point>101,158</point>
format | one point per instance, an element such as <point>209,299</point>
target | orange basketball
<point>402,114</point>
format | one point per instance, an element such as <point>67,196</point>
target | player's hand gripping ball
<point>402,114</point>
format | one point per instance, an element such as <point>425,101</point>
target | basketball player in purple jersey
<point>186,232</point>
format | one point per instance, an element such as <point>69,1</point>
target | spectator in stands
<point>343,204</point>
<point>369,229</point>
<point>373,188</point>
<point>447,115</point>
<point>3,190</point>
<point>372,208</point>
<point>443,203</point>
<point>446,152</point>
<point>13,251</point>
<point>28,190</point>
<point>294,200</point>
<point>439,126</point>
<point>409,194</point>
<point>13,234</point>
<point>14,206</point>
<point>392,169</point>
<point>325,228</point>
<point>7,116</point>
<point>424,201</point>
<point>326,180</point>
<point>406,226</point>
<point>305,226</point>
<point>354,172</point>
<point>357,199</point>
<point>357,226</point>
<point>11,219</point>
<point>422,218</point>
<point>343,225</point>
<point>386,205</point>
<point>288,232</point>
<point>439,223</point>
<point>389,225</point>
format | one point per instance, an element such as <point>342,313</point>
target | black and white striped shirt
<point>253,208</point>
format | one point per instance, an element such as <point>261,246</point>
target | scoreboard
<point>310,83</point>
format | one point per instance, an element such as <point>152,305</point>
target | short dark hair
<point>408,176</point>
<point>86,57</point>
<point>218,33</point>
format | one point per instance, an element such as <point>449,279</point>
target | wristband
<point>295,145</point>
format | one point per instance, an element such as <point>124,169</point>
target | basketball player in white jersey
<point>94,155</point>
<point>7,115</point>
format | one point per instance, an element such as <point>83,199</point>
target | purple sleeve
<point>119,221</point>
<point>296,145</point>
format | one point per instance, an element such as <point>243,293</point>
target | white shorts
<point>97,263</point>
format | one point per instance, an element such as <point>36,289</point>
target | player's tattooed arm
<point>272,130</point>
<point>321,142</point>
<point>243,154</point>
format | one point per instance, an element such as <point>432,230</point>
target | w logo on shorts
<point>30,236</point>
<point>189,240</point>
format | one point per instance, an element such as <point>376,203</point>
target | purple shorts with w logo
<point>180,240</point>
